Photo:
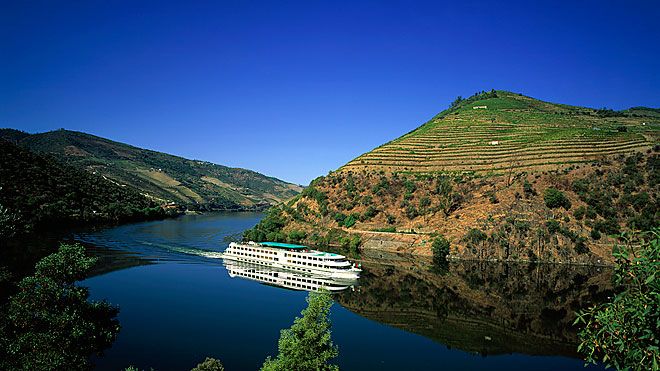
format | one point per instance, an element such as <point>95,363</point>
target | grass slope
<point>160,176</point>
<point>500,131</point>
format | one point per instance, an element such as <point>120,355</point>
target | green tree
<point>625,332</point>
<point>555,198</point>
<point>307,344</point>
<point>440,249</point>
<point>51,325</point>
<point>350,221</point>
<point>209,364</point>
<point>457,102</point>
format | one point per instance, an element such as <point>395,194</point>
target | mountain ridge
<point>162,177</point>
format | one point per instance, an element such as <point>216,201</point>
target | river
<point>179,305</point>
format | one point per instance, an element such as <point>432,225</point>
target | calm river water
<point>179,304</point>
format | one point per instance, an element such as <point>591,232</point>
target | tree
<point>555,198</point>
<point>307,344</point>
<point>50,322</point>
<point>457,102</point>
<point>440,249</point>
<point>625,332</point>
<point>209,364</point>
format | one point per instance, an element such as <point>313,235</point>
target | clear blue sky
<point>295,89</point>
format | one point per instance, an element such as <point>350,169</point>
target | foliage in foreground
<point>209,364</point>
<point>307,344</point>
<point>625,333</point>
<point>50,324</point>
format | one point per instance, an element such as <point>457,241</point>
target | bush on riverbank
<point>625,332</point>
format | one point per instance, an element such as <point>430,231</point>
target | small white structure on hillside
<point>494,142</point>
<point>479,107</point>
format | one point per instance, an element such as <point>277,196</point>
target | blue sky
<point>294,89</point>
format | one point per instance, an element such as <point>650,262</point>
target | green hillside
<point>160,176</point>
<point>498,131</point>
<point>37,191</point>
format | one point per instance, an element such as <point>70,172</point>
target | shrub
<point>476,236</point>
<point>440,249</point>
<point>607,226</point>
<point>369,213</point>
<point>297,236</point>
<point>553,226</point>
<point>579,212</point>
<point>581,246</point>
<point>339,218</point>
<point>554,198</point>
<point>528,190</point>
<point>350,221</point>
<point>624,332</point>
<point>411,212</point>
<point>209,364</point>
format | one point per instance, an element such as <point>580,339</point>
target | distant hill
<point>162,177</point>
<point>38,191</point>
<point>501,175</point>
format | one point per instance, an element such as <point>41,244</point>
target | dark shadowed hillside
<point>38,191</point>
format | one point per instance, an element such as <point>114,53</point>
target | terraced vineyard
<point>507,132</point>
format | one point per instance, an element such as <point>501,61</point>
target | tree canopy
<point>50,323</point>
<point>307,345</point>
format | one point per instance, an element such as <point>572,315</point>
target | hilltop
<point>498,131</point>
<point>162,177</point>
<point>501,175</point>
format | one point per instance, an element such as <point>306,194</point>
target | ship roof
<point>282,245</point>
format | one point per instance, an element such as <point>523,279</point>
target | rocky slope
<point>501,175</point>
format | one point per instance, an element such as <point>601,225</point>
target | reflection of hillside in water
<point>481,307</point>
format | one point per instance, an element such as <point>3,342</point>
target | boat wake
<point>185,250</point>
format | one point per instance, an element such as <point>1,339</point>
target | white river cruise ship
<point>293,257</point>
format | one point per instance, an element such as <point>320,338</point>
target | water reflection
<point>480,307</point>
<point>285,278</point>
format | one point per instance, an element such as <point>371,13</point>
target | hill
<point>500,131</point>
<point>501,175</point>
<point>37,191</point>
<point>162,177</point>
